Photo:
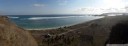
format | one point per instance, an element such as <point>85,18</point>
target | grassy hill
<point>12,35</point>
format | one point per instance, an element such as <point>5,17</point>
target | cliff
<point>12,35</point>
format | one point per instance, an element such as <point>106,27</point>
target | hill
<point>12,35</point>
<point>92,33</point>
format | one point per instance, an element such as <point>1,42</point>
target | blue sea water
<point>40,22</point>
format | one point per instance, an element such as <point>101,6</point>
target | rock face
<point>12,35</point>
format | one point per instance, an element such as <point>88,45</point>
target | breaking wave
<point>40,18</point>
<point>14,17</point>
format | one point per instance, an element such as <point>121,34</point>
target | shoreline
<point>68,26</point>
<point>96,31</point>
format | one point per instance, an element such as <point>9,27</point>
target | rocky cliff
<point>12,35</point>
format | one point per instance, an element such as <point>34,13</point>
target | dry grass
<point>11,35</point>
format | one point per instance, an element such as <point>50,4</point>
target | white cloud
<point>38,5</point>
<point>90,10</point>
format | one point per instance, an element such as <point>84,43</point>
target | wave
<point>39,18</point>
<point>14,17</point>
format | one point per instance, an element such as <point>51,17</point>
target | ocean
<point>42,22</point>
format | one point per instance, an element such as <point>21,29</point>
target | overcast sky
<point>35,7</point>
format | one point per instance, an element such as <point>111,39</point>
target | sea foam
<point>14,17</point>
<point>40,18</point>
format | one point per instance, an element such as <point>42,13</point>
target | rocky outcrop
<point>12,35</point>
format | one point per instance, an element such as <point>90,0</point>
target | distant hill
<point>114,13</point>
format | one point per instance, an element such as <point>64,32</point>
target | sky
<point>41,7</point>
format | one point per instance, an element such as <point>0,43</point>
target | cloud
<point>90,10</point>
<point>39,5</point>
